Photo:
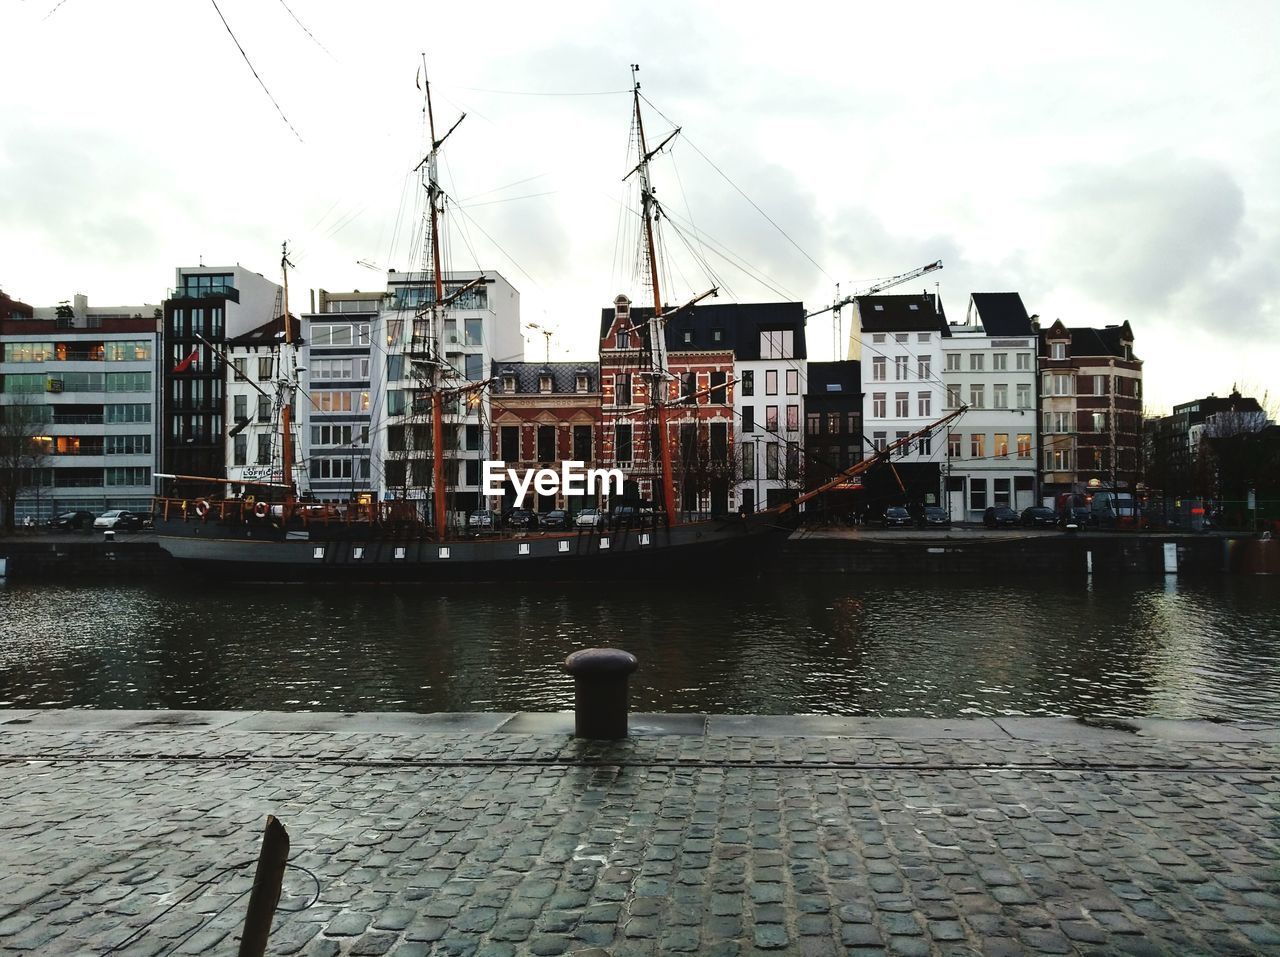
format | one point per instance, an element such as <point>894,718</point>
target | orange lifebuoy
<point>261,509</point>
<point>202,507</point>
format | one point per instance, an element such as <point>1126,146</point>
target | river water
<point>786,645</point>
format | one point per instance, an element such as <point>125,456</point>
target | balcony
<point>76,419</point>
<point>207,292</point>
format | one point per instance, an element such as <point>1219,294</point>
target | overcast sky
<point>1108,161</point>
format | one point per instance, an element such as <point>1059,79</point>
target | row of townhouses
<point>191,388</point>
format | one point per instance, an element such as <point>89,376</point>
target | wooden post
<point>266,889</point>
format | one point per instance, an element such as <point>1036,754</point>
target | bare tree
<point>22,451</point>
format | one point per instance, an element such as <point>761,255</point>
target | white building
<point>900,340</point>
<point>991,368</point>
<point>480,327</point>
<point>260,361</point>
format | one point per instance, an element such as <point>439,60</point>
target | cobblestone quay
<point>498,834</point>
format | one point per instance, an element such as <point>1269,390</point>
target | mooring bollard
<point>108,536</point>
<point>600,691</point>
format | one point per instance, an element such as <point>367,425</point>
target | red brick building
<point>545,413</point>
<point>700,428</point>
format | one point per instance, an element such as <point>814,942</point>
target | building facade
<point>833,436</point>
<point>207,306</point>
<point>79,384</point>
<point>1090,408</point>
<point>545,413</point>
<point>990,367</point>
<point>902,340</point>
<point>261,361</point>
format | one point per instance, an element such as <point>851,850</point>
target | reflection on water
<point>811,644</point>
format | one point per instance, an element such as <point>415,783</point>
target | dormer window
<point>580,383</point>
<point>688,336</point>
<point>1057,350</point>
<point>508,384</point>
<point>544,383</point>
<point>717,335</point>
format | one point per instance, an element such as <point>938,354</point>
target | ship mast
<point>435,322</point>
<point>658,391</point>
<point>286,395</point>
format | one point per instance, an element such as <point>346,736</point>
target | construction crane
<point>546,333</point>
<point>869,291</point>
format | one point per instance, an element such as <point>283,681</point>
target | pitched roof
<point>1002,313</point>
<point>732,325</point>
<point>269,333</point>
<point>1087,341</point>
<point>914,313</point>
<point>842,378</point>
<point>564,376</point>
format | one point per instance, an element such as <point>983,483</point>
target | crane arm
<point>879,287</point>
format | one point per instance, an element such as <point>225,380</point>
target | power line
<point>251,69</point>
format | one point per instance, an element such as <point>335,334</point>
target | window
<point>953,397</point>
<point>125,382</point>
<point>128,475</point>
<point>582,441</point>
<point>622,389</point>
<point>688,385</point>
<point>28,351</point>
<point>925,404</point>
<point>719,442</point>
<point>777,344</point>
<point>748,418</point>
<point>748,460</point>
<point>771,418</point>
<point>813,423</point>
<point>622,443</point>
<point>336,335</point>
<point>1057,350</point>
<point>264,450</point>
<point>1058,383</point>
<point>238,367</point>
<point>1057,422</point>
<point>977,396</point>
<point>922,368</point>
<point>240,450</point>
<point>717,335</point>
<point>901,404</point>
<point>508,442</point>
<point>900,337</point>
<point>129,351</point>
<point>793,382</point>
<point>978,445</point>
<point>853,422</point>
<point>977,494</point>
<point>580,383</point>
<point>546,443</point>
<point>925,446</point>
<point>1024,445</point>
<point>1024,395</point>
<point>473,332</point>
<point>1098,421</point>
<point>771,460</point>
<point>833,423</point>
<point>877,337</point>
<point>1000,395</point>
<point>331,435</point>
<point>265,364</point>
<point>923,337</point>
<point>1000,488</point>
<point>748,382</point>
<point>240,405</point>
<point>878,441</point>
<point>771,382</point>
<point>623,339</point>
<point>128,444</point>
<point>719,394</point>
<point>474,367</point>
<point>953,362</point>
<point>1000,361</point>
<point>878,369</point>
<point>688,337</point>
<point>899,367</point>
<point>264,409</point>
<point>975,361</point>
<point>134,412</point>
<point>898,437</point>
<point>953,445</point>
<point>793,418</point>
<point>1057,460</point>
<point>878,405</point>
<point>1024,361</point>
<point>1002,445</point>
<point>323,400</point>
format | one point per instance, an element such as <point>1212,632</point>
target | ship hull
<point>353,554</point>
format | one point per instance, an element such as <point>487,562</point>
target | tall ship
<point>264,530</point>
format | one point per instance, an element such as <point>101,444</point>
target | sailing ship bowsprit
<point>268,534</point>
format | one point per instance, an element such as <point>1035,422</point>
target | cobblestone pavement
<point>136,834</point>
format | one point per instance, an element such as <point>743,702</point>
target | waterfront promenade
<point>498,834</point>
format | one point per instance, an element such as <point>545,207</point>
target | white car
<point>588,518</point>
<point>118,518</point>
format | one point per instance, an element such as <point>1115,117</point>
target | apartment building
<point>990,368</point>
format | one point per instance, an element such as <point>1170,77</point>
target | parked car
<point>77,520</point>
<point>119,519</point>
<point>521,518</point>
<point>481,520</point>
<point>934,517</point>
<point>896,516</point>
<point>999,516</point>
<point>588,518</point>
<point>556,518</point>
<point>1039,516</point>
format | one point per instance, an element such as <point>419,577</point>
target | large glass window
<point>777,344</point>
<point>878,407</point>
<point>28,351</point>
<point>771,460</point>
<point>132,412</point>
<point>131,351</point>
<point>771,382</point>
<point>878,364</point>
<point>1002,445</point>
<point>977,494</point>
